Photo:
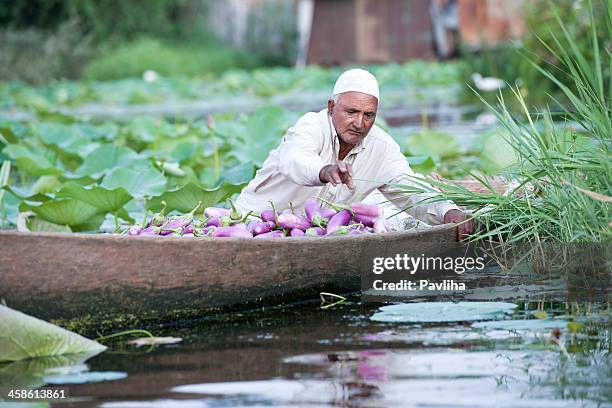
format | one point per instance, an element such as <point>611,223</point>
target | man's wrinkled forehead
<point>356,100</point>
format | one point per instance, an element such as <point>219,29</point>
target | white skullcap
<point>356,80</point>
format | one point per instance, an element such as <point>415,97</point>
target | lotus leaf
<point>532,324</point>
<point>430,142</point>
<point>421,164</point>
<point>108,157</point>
<point>103,199</point>
<point>78,215</point>
<point>187,197</point>
<point>30,161</point>
<point>140,182</point>
<point>437,312</point>
<point>23,337</point>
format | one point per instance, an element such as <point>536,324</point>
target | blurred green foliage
<point>513,62</point>
<point>45,40</point>
<point>105,20</point>
<point>131,59</point>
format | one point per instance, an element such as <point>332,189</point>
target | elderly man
<point>340,155</point>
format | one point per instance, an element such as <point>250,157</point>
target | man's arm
<point>299,158</point>
<point>397,171</point>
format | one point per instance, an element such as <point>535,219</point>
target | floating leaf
<point>46,184</point>
<point>107,157</point>
<point>430,142</point>
<point>436,312</point>
<point>139,183</point>
<point>75,138</point>
<point>150,341</point>
<point>84,377</point>
<point>188,196</point>
<point>238,174</point>
<point>421,164</point>
<point>496,153</point>
<point>103,199</point>
<point>532,324</point>
<point>11,209</point>
<point>23,336</point>
<point>264,130</point>
<point>35,224</point>
<point>27,194</point>
<point>73,213</point>
<point>31,162</point>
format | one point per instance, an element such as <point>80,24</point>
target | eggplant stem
<point>274,213</point>
<point>335,206</point>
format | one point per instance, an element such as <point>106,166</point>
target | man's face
<point>353,115</point>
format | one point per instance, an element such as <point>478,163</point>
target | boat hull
<point>67,276</point>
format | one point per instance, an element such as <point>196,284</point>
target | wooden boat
<point>67,276</point>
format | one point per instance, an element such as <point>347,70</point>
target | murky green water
<point>307,356</point>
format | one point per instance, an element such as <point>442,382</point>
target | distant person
<point>340,155</point>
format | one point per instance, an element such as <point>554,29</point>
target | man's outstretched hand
<point>466,223</point>
<point>339,173</point>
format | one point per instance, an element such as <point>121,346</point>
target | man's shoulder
<point>379,138</point>
<point>314,118</point>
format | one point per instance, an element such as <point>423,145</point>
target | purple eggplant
<point>370,210</point>
<point>152,230</point>
<point>327,213</point>
<point>260,227</point>
<point>271,234</point>
<point>169,231</point>
<point>340,219</point>
<point>231,232</point>
<point>213,221</point>
<point>315,231</point>
<point>304,223</point>
<point>366,220</point>
<point>267,215</point>
<point>134,230</point>
<point>311,208</point>
<point>158,219</point>
<point>314,213</point>
<point>216,212</point>
<point>290,221</point>
<point>356,232</point>
<point>181,221</point>
<point>296,232</point>
<point>189,235</point>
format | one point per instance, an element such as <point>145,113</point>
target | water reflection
<point>305,356</point>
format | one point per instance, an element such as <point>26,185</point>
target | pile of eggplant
<point>217,222</point>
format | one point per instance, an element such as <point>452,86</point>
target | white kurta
<point>290,174</point>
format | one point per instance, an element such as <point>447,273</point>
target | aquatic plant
<point>561,185</point>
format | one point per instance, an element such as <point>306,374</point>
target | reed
<point>561,185</point>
